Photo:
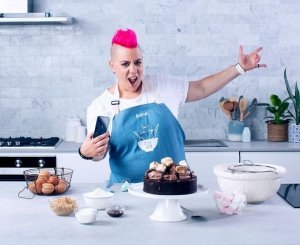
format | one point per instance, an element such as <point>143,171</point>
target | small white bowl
<point>97,200</point>
<point>86,215</point>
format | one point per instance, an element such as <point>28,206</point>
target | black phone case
<point>101,126</point>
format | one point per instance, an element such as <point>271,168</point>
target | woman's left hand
<point>250,61</point>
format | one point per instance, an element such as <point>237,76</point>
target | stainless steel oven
<point>19,154</point>
<point>12,166</point>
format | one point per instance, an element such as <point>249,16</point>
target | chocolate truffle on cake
<point>169,178</point>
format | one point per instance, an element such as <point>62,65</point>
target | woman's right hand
<point>95,147</point>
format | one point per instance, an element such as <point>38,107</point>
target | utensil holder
<point>235,130</point>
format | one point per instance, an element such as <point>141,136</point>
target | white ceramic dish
<point>258,181</point>
<point>97,199</point>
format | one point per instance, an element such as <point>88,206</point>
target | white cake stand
<point>168,208</point>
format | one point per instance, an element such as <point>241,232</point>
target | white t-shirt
<point>159,88</point>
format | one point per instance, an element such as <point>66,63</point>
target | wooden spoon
<point>232,99</point>
<point>226,112</point>
<point>243,105</point>
<point>228,105</point>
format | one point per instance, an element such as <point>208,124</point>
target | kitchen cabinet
<point>289,160</point>
<point>85,171</point>
<point>202,163</point>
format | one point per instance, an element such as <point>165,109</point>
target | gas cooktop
<point>28,142</point>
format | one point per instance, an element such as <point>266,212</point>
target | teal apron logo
<point>147,137</point>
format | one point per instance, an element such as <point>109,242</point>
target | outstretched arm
<point>204,87</point>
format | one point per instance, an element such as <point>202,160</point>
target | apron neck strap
<point>115,103</point>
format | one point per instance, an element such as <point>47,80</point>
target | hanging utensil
<point>242,106</point>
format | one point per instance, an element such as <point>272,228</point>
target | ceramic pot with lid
<point>72,123</point>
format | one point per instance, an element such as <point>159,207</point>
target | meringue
<point>230,202</point>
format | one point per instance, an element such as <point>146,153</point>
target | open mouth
<point>132,80</point>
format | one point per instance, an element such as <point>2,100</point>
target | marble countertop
<point>31,221</point>
<point>254,146</point>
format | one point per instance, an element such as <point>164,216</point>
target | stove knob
<point>41,163</point>
<point>18,163</point>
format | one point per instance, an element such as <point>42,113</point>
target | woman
<point>143,110</point>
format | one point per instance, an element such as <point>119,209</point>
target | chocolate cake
<point>169,178</point>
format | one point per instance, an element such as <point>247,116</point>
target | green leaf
<point>291,114</point>
<point>275,100</point>
<point>271,109</point>
<point>297,100</point>
<point>282,108</point>
<point>286,99</point>
<point>288,88</point>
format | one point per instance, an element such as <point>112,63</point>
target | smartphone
<point>101,126</point>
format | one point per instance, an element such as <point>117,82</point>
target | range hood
<point>35,18</point>
<point>20,12</point>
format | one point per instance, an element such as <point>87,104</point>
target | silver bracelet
<point>239,68</point>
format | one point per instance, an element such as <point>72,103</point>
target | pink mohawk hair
<point>126,38</point>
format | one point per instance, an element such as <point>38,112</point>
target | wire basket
<point>47,181</point>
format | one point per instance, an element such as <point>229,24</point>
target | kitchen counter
<point>31,221</point>
<point>254,146</point>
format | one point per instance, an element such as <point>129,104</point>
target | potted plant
<point>277,122</point>
<point>294,128</point>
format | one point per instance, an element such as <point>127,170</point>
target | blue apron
<point>140,135</point>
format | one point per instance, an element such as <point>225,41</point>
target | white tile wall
<point>48,73</point>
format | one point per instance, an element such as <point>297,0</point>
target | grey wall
<point>49,72</point>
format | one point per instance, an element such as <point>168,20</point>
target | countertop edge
<point>254,146</point>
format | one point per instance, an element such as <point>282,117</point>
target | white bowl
<point>148,145</point>
<point>86,215</point>
<point>97,200</point>
<point>258,181</point>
